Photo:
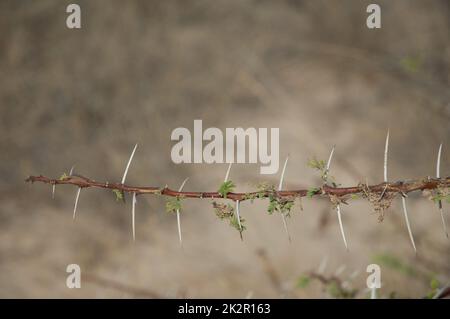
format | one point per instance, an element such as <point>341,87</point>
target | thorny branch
<point>379,195</point>
<point>401,187</point>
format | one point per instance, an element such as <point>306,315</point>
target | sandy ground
<point>136,71</point>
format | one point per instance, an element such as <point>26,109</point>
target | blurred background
<point>136,70</point>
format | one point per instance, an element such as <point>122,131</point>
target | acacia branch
<point>401,187</point>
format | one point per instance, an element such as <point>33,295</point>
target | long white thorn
<point>330,158</point>
<point>438,175</point>
<point>53,191</point>
<point>280,186</point>
<point>76,202</point>
<point>438,162</point>
<point>128,164</point>
<point>71,170</point>
<point>386,148</point>
<point>405,211</point>
<point>228,172</point>
<point>133,216</point>
<point>338,210</point>
<point>178,214</point>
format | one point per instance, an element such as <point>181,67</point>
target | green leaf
<point>119,195</point>
<point>173,204</point>
<point>316,164</point>
<point>63,176</point>
<point>312,191</point>
<point>225,188</point>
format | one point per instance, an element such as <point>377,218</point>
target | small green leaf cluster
<point>281,205</point>
<point>312,191</point>
<point>225,188</point>
<point>173,204</point>
<point>120,196</point>
<point>320,166</point>
<point>440,196</point>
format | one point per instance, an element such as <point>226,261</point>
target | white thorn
<point>71,170</point>
<point>280,186</point>
<point>179,227</point>
<point>438,162</point>
<point>178,214</point>
<point>76,203</point>
<point>323,265</point>
<point>53,191</point>
<point>182,184</point>
<point>338,210</point>
<point>405,211</point>
<point>228,172</point>
<point>330,158</point>
<point>386,148</point>
<point>133,216</point>
<point>128,164</point>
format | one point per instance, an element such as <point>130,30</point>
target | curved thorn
<point>76,202</point>
<point>386,148</point>
<point>228,172</point>
<point>341,226</point>
<point>128,164</point>
<point>133,216</point>
<point>405,211</point>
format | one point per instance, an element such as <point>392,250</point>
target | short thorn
<point>228,172</point>
<point>76,202</point>
<point>330,158</point>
